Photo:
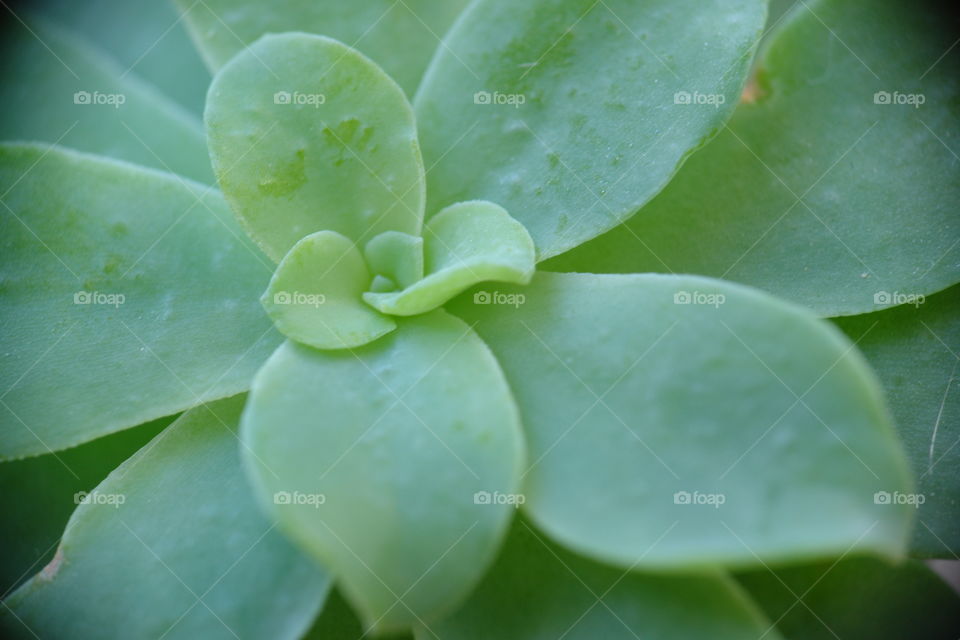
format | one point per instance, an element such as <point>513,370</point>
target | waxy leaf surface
<point>915,350</point>
<point>678,422</point>
<point>306,134</point>
<point>315,296</point>
<point>836,183</point>
<point>173,545</point>
<point>377,461</point>
<point>464,244</point>
<point>572,114</point>
<point>127,295</point>
<point>57,88</point>
<point>400,36</point>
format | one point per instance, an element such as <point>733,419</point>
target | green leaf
<point>308,135</point>
<point>537,590</point>
<point>466,243</point>
<point>914,350</point>
<point>127,295</point>
<point>815,192</point>
<point>372,461</point>
<point>57,88</point>
<point>146,37</point>
<point>566,113</point>
<point>744,426</point>
<point>172,545</point>
<point>37,496</point>
<point>857,598</point>
<point>396,256</point>
<point>399,36</point>
<point>315,295</point>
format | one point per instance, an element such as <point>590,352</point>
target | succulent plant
<point>515,320</point>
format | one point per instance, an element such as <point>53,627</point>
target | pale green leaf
<point>570,114</point>
<point>37,496</point>
<point>306,134</point>
<point>172,545</point>
<point>56,88</point>
<point>466,243</point>
<point>857,598</point>
<point>147,37</point>
<point>837,183</point>
<point>914,350</point>
<point>400,36</point>
<point>372,461</point>
<point>396,256</point>
<point>678,422</point>
<point>315,296</point>
<point>126,295</point>
<point>537,590</point>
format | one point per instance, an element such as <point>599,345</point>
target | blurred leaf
<point>315,296</point>
<point>539,591</point>
<point>127,295</point>
<point>147,37</point>
<point>375,461</point>
<point>816,192</point>
<point>857,598</point>
<point>337,621</point>
<point>308,135</point>
<point>39,494</point>
<point>914,350</point>
<point>681,422</point>
<point>464,244</point>
<point>172,545</point>
<point>400,36</point>
<point>570,114</point>
<point>57,88</point>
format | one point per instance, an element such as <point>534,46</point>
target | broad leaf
<point>377,461</point>
<point>539,591</point>
<point>57,88</point>
<point>315,296</point>
<point>146,37</point>
<point>915,350</point>
<point>572,114</point>
<point>857,598</point>
<point>308,135</point>
<point>464,244</point>
<point>837,185</point>
<point>37,496</point>
<point>172,545</point>
<point>400,36</point>
<point>751,430</point>
<point>127,295</point>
